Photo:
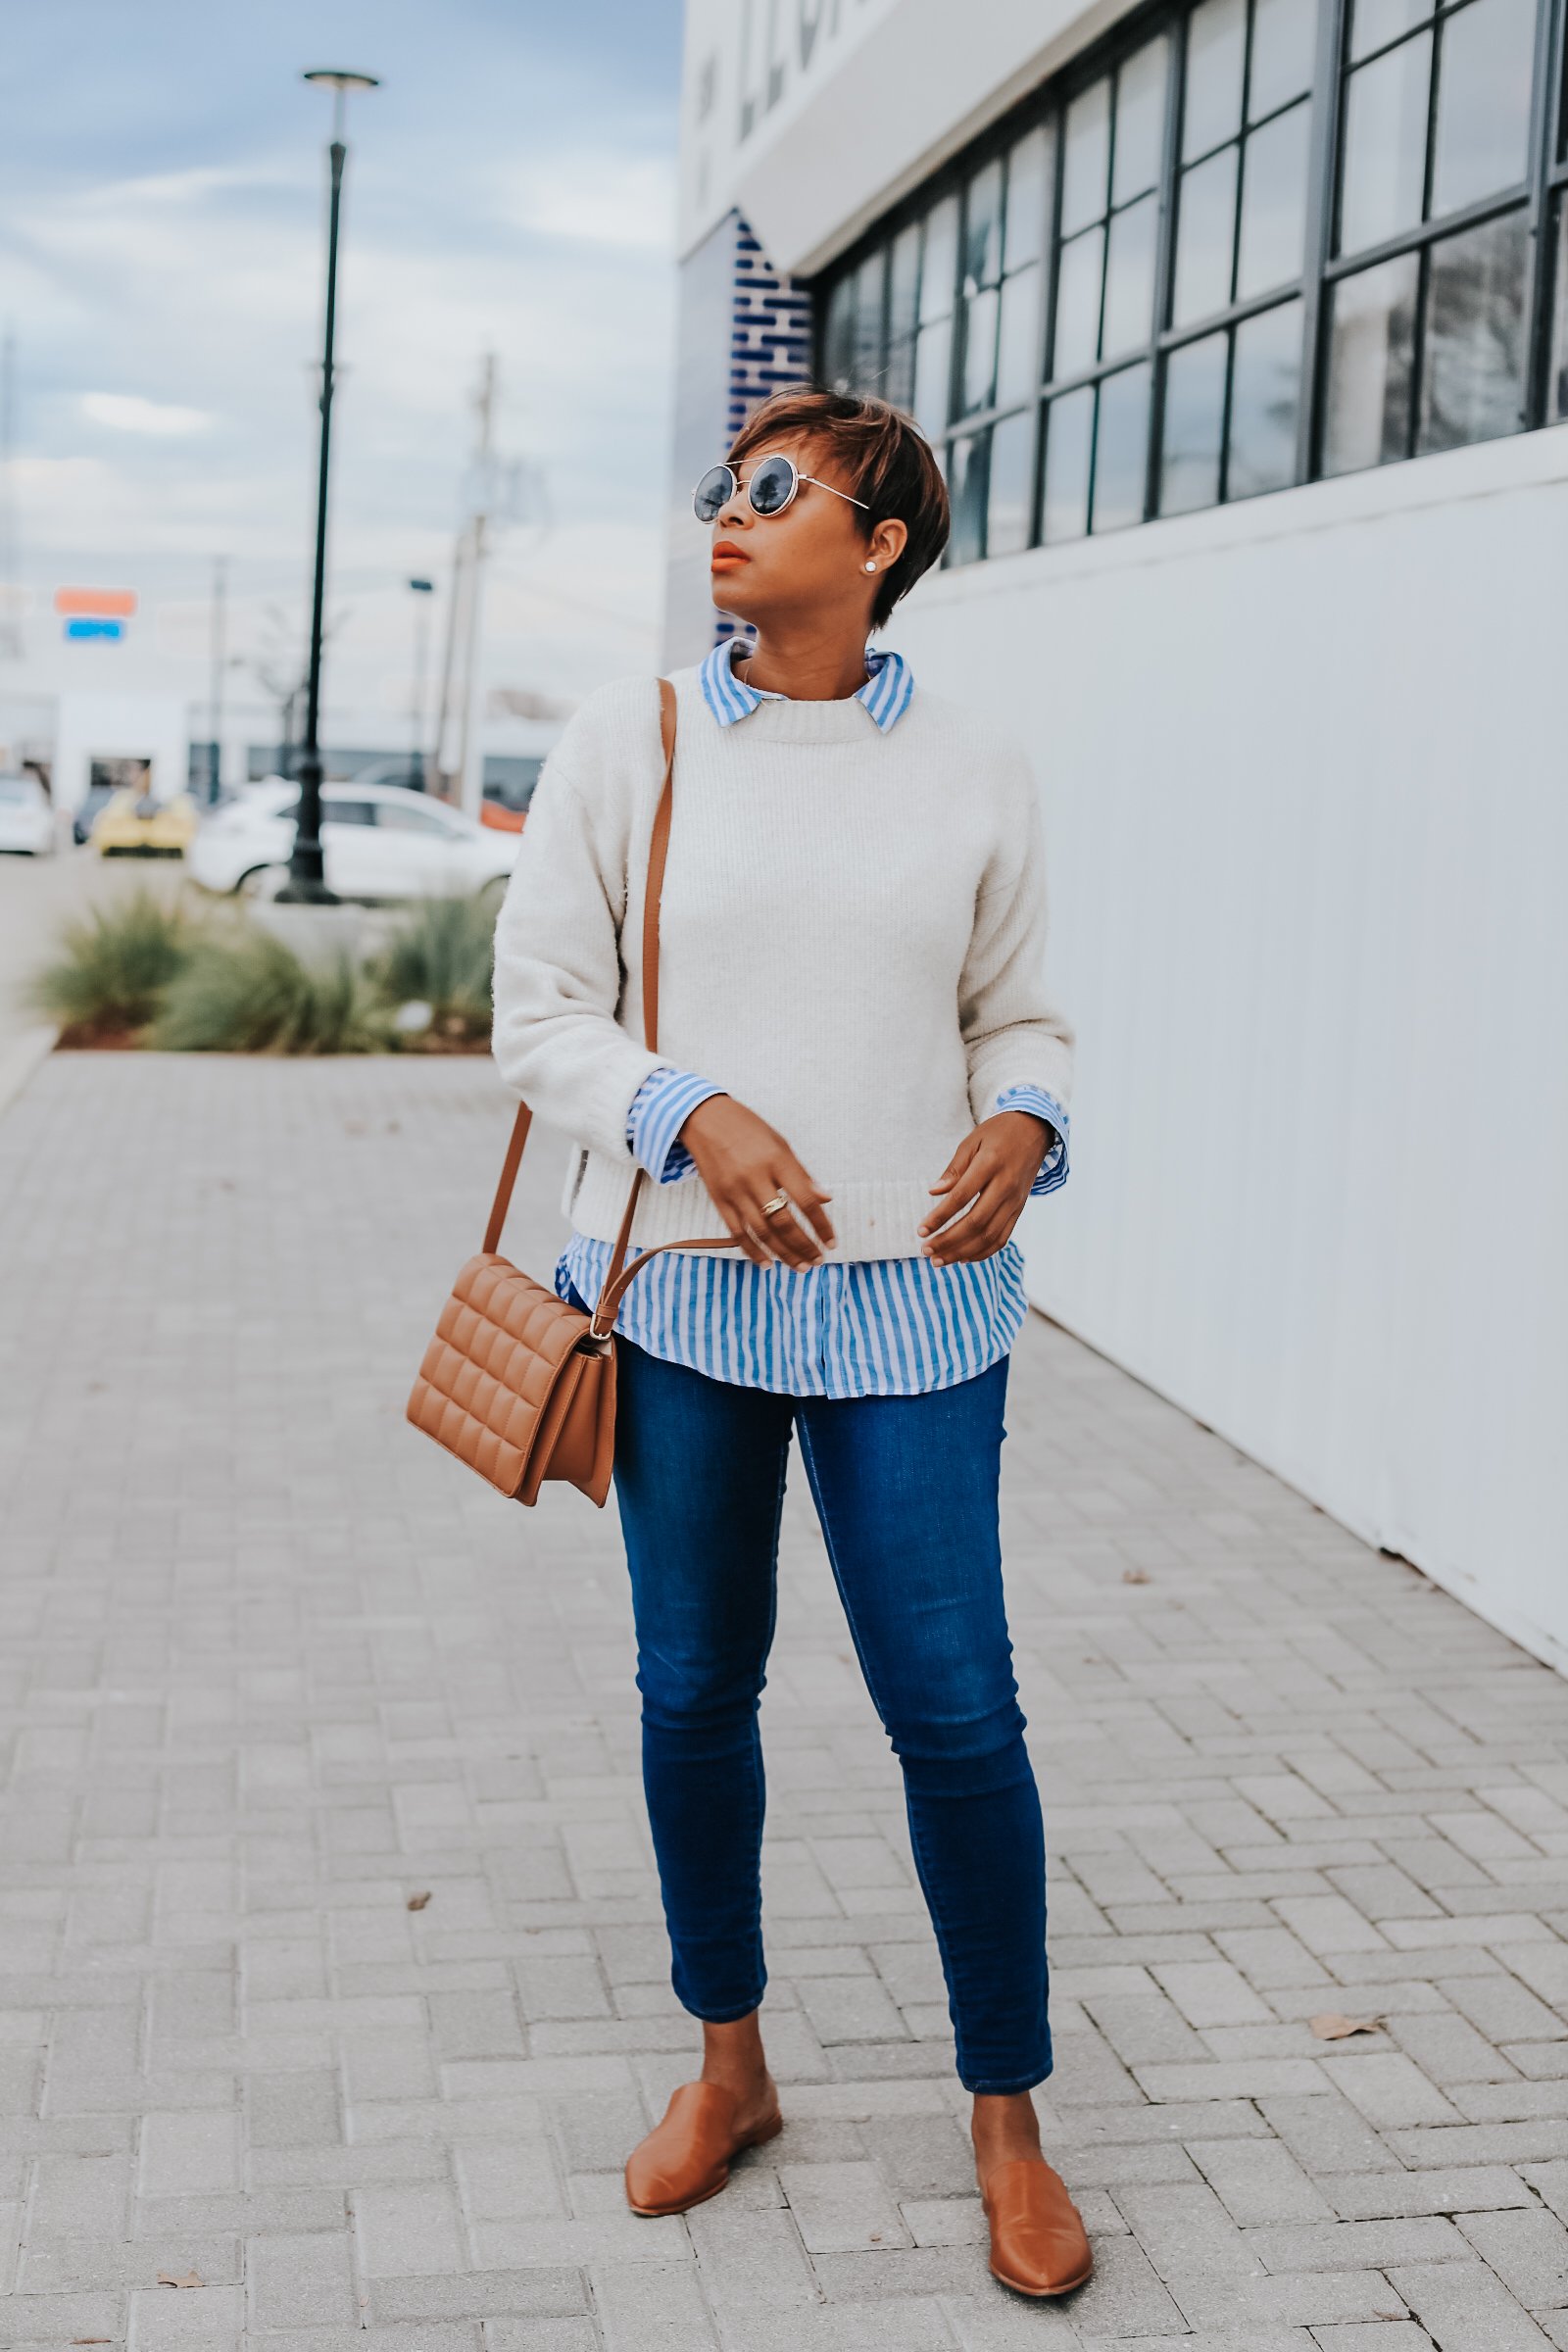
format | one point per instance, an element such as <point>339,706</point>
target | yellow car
<point>132,825</point>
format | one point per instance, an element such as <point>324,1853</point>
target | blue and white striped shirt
<point>882,1327</point>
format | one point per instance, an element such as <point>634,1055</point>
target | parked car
<point>83,818</point>
<point>26,820</point>
<point>132,825</point>
<point>379,841</point>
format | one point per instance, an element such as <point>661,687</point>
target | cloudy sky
<point>161,208</point>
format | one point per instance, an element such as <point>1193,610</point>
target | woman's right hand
<point>744,1162</point>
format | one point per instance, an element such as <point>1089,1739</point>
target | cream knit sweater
<point>852,941</point>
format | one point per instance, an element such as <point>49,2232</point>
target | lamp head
<point>339,81</point>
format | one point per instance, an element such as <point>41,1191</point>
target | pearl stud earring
<point>870,568</point>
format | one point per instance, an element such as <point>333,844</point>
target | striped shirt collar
<point>886,694</point>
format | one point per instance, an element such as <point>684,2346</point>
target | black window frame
<point>1542,198</point>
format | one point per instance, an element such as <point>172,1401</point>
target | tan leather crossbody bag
<point>518,1383</point>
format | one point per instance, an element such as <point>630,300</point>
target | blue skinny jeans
<point>905,1490</point>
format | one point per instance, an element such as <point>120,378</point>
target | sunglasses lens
<point>772,486</point>
<point>717,486</point>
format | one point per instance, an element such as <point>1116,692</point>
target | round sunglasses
<point>773,485</point>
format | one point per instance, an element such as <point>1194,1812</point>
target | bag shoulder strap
<point>657,852</point>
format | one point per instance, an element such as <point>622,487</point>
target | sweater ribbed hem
<point>873,1219</point>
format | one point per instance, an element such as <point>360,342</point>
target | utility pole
<point>10,639</point>
<point>470,761</point>
<point>420,763</point>
<point>217,656</point>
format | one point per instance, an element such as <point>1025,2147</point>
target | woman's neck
<point>810,664</point>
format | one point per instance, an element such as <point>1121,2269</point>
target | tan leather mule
<point>1038,2243</point>
<point>685,2159</point>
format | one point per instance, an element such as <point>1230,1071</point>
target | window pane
<point>1121,449</point>
<point>1140,120</point>
<point>1019,355</point>
<point>982,227</point>
<point>1217,48</point>
<point>932,361</point>
<point>1376,22</point>
<point>1205,234</point>
<point>1483,77</point>
<point>1027,197</point>
<point>1130,278</point>
<point>904,282</point>
<point>1013,464</point>
<point>1472,385</point>
<point>966,490</point>
<point>1557,384</point>
<point>1069,437</point>
<point>1078,277</point>
<point>941,258</point>
<point>869,281</point>
<point>1086,158</point>
<point>899,382</point>
<point>1284,36</point>
<point>1372,329</point>
<point>1195,424</point>
<point>979,369</point>
<point>1273,204</point>
<point>838,335</point>
<point>1265,402</point>
<point>1385,146</point>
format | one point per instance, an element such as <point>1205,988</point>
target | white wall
<point>1302,766</point>
<point>120,727</point>
<point>844,111</point>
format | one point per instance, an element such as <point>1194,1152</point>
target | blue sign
<point>95,628</point>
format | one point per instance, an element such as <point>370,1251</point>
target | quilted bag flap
<point>499,1351</point>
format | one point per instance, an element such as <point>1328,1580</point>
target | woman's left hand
<point>982,1190</point>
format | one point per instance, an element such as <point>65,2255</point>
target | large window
<point>1247,243</point>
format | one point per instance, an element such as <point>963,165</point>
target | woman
<point>860,1080</point>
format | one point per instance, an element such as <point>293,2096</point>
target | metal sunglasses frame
<point>768,514</point>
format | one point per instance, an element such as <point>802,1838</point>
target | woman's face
<point>809,561</point>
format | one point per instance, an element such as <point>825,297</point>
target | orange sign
<point>102,604</point>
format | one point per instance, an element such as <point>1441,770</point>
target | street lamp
<point>306,878</point>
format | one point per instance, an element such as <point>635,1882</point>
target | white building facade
<point>1241,327</point>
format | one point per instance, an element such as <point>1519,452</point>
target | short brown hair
<point>888,462</point>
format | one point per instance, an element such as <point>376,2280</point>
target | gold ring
<point>770,1208</point>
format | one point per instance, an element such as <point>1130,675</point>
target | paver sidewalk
<point>273,1667</point>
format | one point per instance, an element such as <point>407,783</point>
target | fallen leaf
<point>1135,1576</point>
<point>1330,2027</point>
<point>416,1902</point>
<point>191,2279</point>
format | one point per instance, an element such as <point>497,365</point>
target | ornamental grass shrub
<point>245,990</point>
<point>113,969</point>
<point>442,956</point>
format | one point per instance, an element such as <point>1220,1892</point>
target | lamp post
<point>307,878</point>
<point>421,591</point>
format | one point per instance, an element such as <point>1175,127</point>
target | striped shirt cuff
<point>661,1107</point>
<point>1041,1106</point>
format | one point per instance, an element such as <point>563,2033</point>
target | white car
<point>378,841</point>
<point>26,820</point>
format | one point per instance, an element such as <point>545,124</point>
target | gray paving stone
<point>1259,2183</point>
<point>1278,1781</point>
<point>1467,2305</point>
<point>1387,2196</point>
<point>1529,2251</point>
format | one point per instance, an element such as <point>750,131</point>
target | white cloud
<point>595,196</point>
<point>127,413</point>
